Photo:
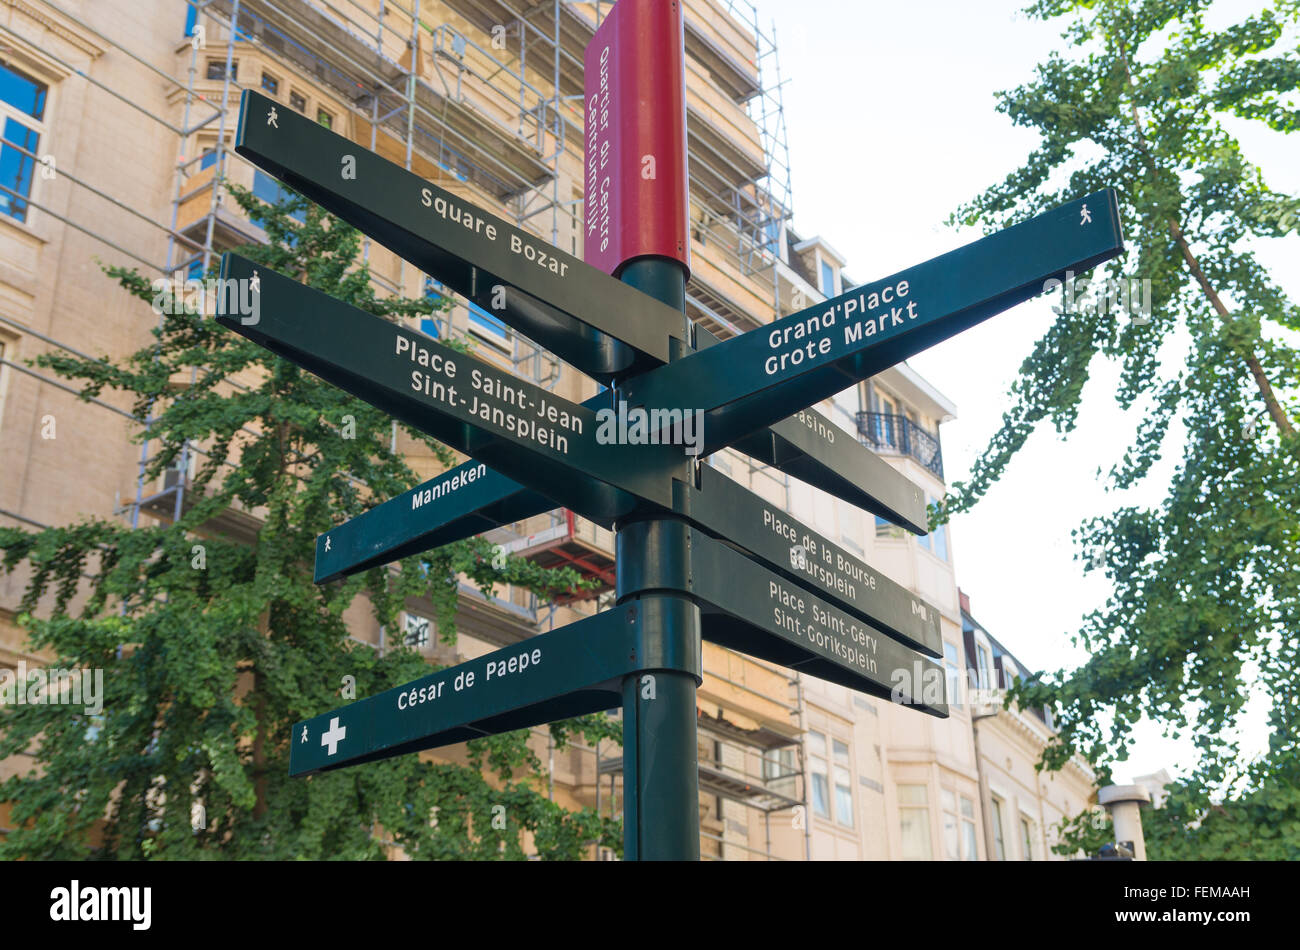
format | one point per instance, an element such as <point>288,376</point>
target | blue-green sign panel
<point>758,612</point>
<point>732,513</point>
<point>581,314</point>
<point>750,381</point>
<point>813,449</point>
<point>460,503</point>
<point>754,611</point>
<point>523,431</point>
<point>575,670</point>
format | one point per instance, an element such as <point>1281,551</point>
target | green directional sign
<point>581,314</point>
<point>732,513</point>
<point>460,503</point>
<point>525,432</point>
<point>573,671</point>
<point>817,451</point>
<point>752,380</point>
<point>753,610</point>
<point>758,613</point>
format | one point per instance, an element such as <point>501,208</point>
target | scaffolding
<point>499,121</point>
<point>758,765</point>
<point>431,97</point>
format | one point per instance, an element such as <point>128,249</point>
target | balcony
<point>892,433</point>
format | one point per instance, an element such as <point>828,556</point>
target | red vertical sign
<point>636,181</point>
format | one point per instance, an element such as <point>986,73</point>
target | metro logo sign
<point>636,184</point>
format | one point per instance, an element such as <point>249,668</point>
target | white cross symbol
<point>327,542</point>
<point>1086,217</point>
<point>304,734</point>
<point>334,735</point>
<point>271,117</point>
<point>255,284</point>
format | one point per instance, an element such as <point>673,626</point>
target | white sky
<point>891,121</point>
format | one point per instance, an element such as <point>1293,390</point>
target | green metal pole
<point>661,788</point>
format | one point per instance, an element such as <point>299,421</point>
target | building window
<point>828,279</point>
<point>324,118</point>
<point>999,847</point>
<point>779,769</point>
<point>969,850</point>
<point>885,427</point>
<point>951,832</point>
<point>22,107</point>
<point>914,822</point>
<point>843,784</point>
<point>217,69</point>
<point>778,763</point>
<point>270,84</point>
<point>272,192</point>
<point>488,326</point>
<point>936,542</point>
<point>952,668</point>
<point>985,664</point>
<point>939,539</point>
<point>208,159</point>
<point>416,631</point>
<point>297,101</point>
<point>433,292</point>
<point>886,529</point>
<point>850,527</point>
<point>821,788</point>
<point>1027,837</point>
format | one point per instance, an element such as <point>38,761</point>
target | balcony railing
<point>895,433</point>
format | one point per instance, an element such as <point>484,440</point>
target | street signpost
<point>699,556</point>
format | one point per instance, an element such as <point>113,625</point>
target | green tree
<point>1206,586</point>
<point>213,647</point>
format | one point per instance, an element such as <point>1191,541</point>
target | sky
<point>892,124</point>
